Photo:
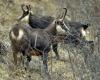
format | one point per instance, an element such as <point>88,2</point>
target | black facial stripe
<point>59,23</point>
<point>24,14</point>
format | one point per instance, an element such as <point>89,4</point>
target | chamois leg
<point>45,57</point>
<point>28,57</point>
<point>15,57</point>
<point>28,60</point>
<point>92,48</point>
<point>45,62</point>
<point>25,58</point>
<point>55,46</point>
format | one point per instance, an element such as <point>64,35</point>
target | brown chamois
<point>32,42</point>
<point>76,28</point>
<point>41,23</point>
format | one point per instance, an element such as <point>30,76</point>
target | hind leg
<point>55,46</point>
<point>15,60</point>
<point>28,59</point>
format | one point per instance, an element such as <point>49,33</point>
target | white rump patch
<point>83,32</point>
<point>86,34</point>
<point>60,30</point>
<point>20,35</point>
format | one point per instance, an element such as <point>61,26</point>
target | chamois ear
<point>62,17</point>
<point>58,16</point>
<point>29,6</point>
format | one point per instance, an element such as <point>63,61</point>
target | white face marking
<point>83,32</point>
<point>12,35</point>
<point>66,26</point>
<point>26,18</point>
<point>60,30</point>
<point>20,35</point>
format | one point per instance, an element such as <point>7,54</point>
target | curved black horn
<point>63,17</point>
<point>22,6</point>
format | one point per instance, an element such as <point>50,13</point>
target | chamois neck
<point>51,28</point>
<point>30,13</point>
<point>31,17</point>
<point>26,18</point>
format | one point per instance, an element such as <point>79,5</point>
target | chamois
<point>30,41</point>
<point>44,21</point>
<point>76,28</point>
<point>41,23</point>
<point>33,20</point>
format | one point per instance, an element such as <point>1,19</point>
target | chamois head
<point>26,11</point>
<point>61,26</point>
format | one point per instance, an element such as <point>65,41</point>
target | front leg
<point>55,46</point>
<point>45,58</point>
<point>28,56</point>
<point>28,61</point>
<point>45,65</point>
<point>15,57</point>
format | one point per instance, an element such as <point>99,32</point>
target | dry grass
<point>70,67</point>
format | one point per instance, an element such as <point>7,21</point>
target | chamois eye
<point>59,23</point>
<point>27,12</point>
